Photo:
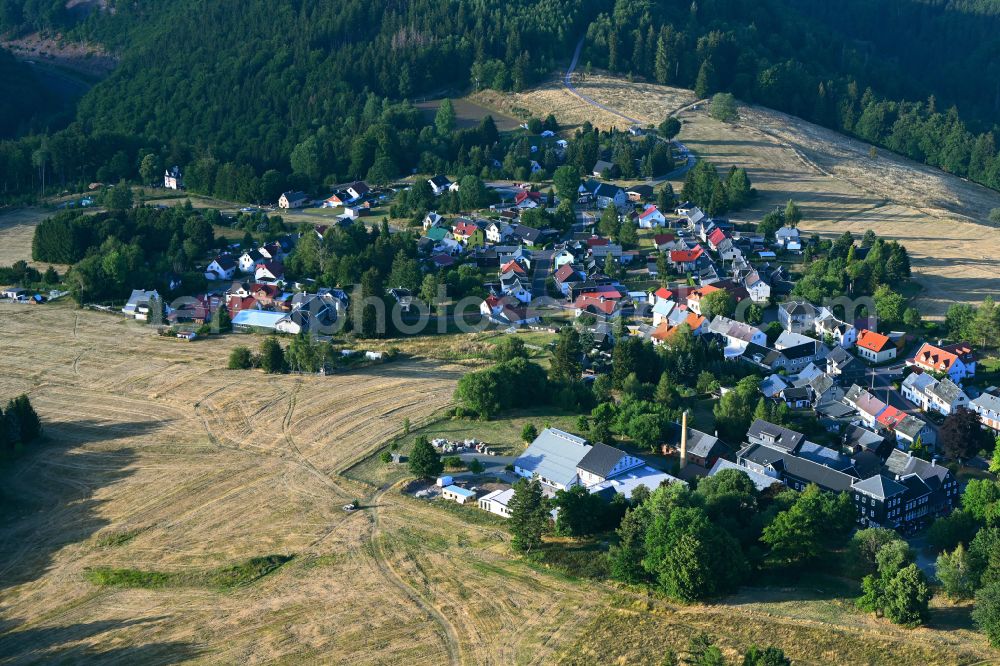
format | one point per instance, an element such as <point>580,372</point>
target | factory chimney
<point>684,439</point>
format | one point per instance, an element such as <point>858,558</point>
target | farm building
<point>458,494</point>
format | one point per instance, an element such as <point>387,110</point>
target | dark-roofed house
<point>843,366</point>
<point>439,184</point>
<point>603,462</point>
<point>702,449</point>
<point>795,472</point>
<point>766,433</point>
<point>940,480</point>
<point>879,501</point>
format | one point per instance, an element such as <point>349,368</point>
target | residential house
<point>943,396</point>
<point>797,316</point>
<point>606,194</point>
<point>528,199</point>
<point>223,267</point>
<point>639,193</point>
<point>498,232</point>
<point>703,449</point>
<point>269,271</point>
<point>843,367</point>
<point>566,277</point>
<point>601,167</point>
<point>248,260</point>
<point>788,239</point>
<point>840,333</point>
<point>987,406</point>
<point>650,218</point>
<point>439,184</point>
<point>736,335</point>
<point>958,361</point>
<point>468,232</point>
<point>137,305</point>
<point>173,179</point>
<point>757,287</point>
<point>686,260</point>
<point>662,333</point>
<point>292,199</point>
<point>940,481</point>
<point>432,219</point>
<point>662,309</point>
<point>875,347</point>
<point>597,305</point>
<point>526,235</point>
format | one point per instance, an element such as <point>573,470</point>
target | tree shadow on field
<point>75,644</point>
<point>47,494</point>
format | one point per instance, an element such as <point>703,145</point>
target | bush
<point>240,358</point>
<point>385,457</point>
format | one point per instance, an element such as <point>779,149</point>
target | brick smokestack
<point>684,439</point>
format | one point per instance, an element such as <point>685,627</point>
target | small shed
<point>458,494</point>
<point>444,481</point>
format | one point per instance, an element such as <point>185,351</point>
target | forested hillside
<point>22,98</point>
<point>310,87</point>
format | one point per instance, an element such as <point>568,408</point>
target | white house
<point>788,238</point>
<point>270,271</point>
<point>137,305</point>
<point>292,200</point>
<point>223,267</point>
<point>432,219</point>
<point>651,217</point>
<point>736,334</point>
<point>603,462</point>
<point>759,290</point>
<point>173,179</point>
<point>842,333</point>
<point>498,232</point>
<point>797,316</point>
<point>439,184</point>
<point>497,502</point>
<point>248,260</point>
<point>958,361</point>
<point>930,394</point>
<point>987,406</point>
<point>875,347</point>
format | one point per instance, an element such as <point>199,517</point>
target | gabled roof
<point>880,487</point>
<point>940,359</point>
<point>650,210</point>
<point>717,236</point>
<point>903,464</point>
<point>513,266</point>
<point>802,468</point>
<point>439,181</point>
<point>601,460</point>
<point>775,435</point>
<point>686,256</point>
<point>225,261</point>
<point>554,455</point>
<point>872,341</point>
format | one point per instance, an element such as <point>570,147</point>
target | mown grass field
<point>133,534</point>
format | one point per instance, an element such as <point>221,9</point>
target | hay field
<point>158,460</point>
<point>940,218</point>
<point>17,228</point>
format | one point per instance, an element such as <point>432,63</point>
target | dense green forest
<point>22,98</point>
<point>311,90</point>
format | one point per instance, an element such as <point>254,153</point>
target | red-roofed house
<point>875,347</point>
<point>650,218</point>
<point>515,267</point>
<point>237,304</point>
<point>594,241</point>
<point>660,240</point>
<point>660,294</point>
<point>468,232</point>
<point>665,330</point>
<point>597,305</point>
<point>270,271</point>
<point>716,237</point>
<point>524,199</point>
<point>694,298</point>
<point>958,361</point>
<point>685,260</point>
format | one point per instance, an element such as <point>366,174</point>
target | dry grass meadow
<point>941,219</point>
<point>157,459</point>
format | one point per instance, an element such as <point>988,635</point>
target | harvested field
<point>159,465</point>
<point>17,228</point>
<point>940,218</point>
